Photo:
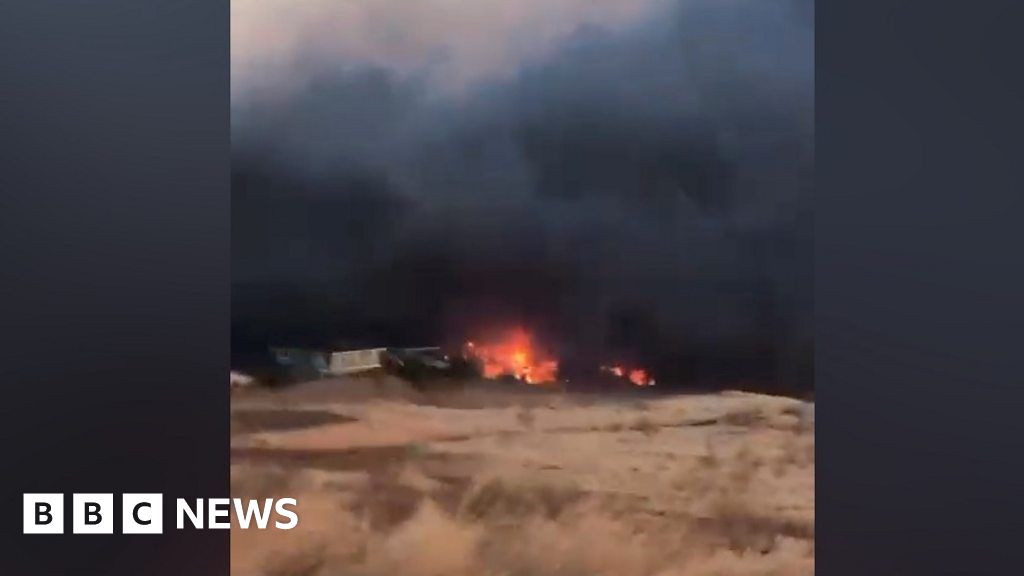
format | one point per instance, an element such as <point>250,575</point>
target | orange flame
<point>616,370</point>
<point>514,355</point>
<point>637,376</point>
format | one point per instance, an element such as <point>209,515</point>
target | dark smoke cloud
<point>640,194</point>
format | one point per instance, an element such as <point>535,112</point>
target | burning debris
<point>514,355</point>
<point>637,376</point>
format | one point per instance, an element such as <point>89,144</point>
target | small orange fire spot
<point>616,370</point>
<point>515,355</point>
<point>637,376</point>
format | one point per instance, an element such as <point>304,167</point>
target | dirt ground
<point>506,480</point>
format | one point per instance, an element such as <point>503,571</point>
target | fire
<point>514,355</point>
<point>617,370</point>
<point>637,376</point>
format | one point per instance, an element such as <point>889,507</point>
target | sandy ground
<point>497,480</point>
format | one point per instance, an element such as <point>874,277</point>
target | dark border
<point>919,281</point>
<point>114,251</point>
<point>114,244</point>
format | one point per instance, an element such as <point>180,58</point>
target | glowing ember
<point>637,376</point>
<point>616,370</point>
<point>513,355</point>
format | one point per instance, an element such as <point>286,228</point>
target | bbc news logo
<point>143,513</point>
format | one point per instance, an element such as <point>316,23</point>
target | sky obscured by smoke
<point>278,44</point>
<point>629,179</point>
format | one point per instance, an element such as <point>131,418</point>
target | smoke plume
<point>627,180</point>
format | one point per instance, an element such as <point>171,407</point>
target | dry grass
<point>551,487</point>
<point>645,426</point>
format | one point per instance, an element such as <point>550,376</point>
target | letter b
<point>43,514</point>
<point>92,514</point>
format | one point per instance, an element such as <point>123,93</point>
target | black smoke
<point>642,195</point>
